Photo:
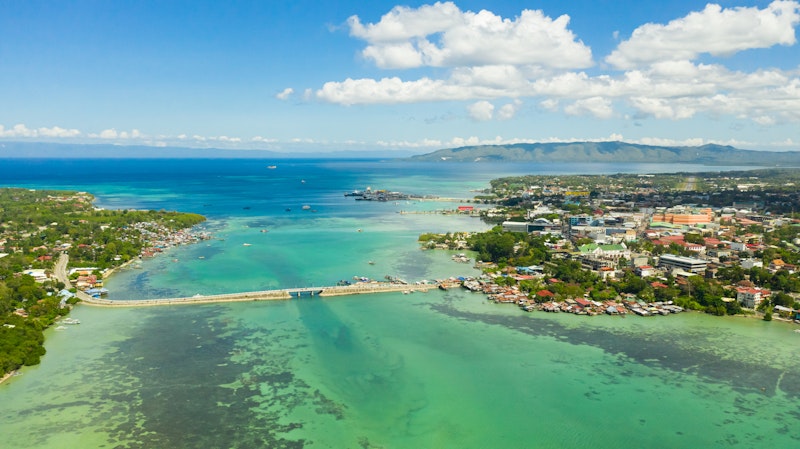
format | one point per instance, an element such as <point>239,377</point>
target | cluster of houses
<point>544,300</point>
<point>88,281</point>
<point>608,255</point>
<point>583,306</point>
<point>160,237</point>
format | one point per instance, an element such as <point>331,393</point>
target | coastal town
<point>39,226</point>
<point>723,243</point>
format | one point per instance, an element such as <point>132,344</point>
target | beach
<point>8,376</point>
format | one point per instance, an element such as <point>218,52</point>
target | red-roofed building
<point>651,234</point>
<point>644,271</point>
<point>779,264</point>
<point>751,297</point>
<point>524,277</point>
<point>607,272</point>
<point>673,238</point>
<point>696,247</point>
<point>746,221</point>
<point>84,282</point>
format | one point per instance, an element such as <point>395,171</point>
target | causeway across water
<point>266,295</point>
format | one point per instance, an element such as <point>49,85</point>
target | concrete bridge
<point>266,295</point>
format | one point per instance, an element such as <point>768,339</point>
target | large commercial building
<point>537,225</point>
<point>688,264</point>
<point>684,216</point>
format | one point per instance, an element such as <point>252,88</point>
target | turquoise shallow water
<point>426,370</point>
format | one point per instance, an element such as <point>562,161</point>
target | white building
<point>689,264</point>
<point>751,297</point>
<point>738,246</point>
<point>38,275</point>
<point>750,263</point>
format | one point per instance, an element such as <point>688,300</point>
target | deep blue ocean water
<point>427,370</point>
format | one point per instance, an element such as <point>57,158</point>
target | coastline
<point>8,375</point>
<point>109,272</point>
<point>179,237</point>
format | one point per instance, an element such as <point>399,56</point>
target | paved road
<point>60,272</point>
<point>691,184</point>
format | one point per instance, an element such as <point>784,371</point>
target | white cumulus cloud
<point>714,30</point>
<point>481,111</point>
<point>509,110</point>
<point>424,143</point>
<point>441,35</point>
<point>284,94</point>
<point>105,134</point>
<point>57,131</point>
<point>662,108</point>
<point>113,134</point>
<point>21,130</point>
<point>660,79</point>
<point>596,106</point>
<point>389,90</point>
<point>550,104</point>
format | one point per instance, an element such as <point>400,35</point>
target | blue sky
<point>300,76</point>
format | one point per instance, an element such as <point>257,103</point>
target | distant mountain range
<point>611,152</point>
<point>50,150</point>
<point>522,152</point>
